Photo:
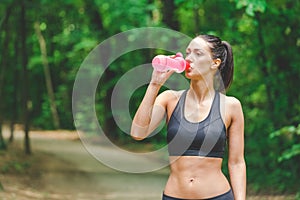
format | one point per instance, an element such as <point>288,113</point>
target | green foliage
<point>298,196</point>
<point>252,6</point>
<point>133,14</point>
<point>292,134</point>
<point>1,187</point>
<point>2,145</point>
<point>15,167</point>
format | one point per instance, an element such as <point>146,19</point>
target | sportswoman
<point>201,121</point>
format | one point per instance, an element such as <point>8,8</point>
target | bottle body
<point>164,63</point>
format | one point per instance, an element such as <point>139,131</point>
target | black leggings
<point>226,196</point>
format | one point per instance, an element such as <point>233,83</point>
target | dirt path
<point>70,172</point>
<point>63,169</point>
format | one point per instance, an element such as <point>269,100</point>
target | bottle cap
<point>187,66</point>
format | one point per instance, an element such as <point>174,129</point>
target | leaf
<point>250,10</point>
<point>286,130</point>
<point>293,151</point>
<point>241,3</point>
<point>252,6</point>
<point>275,134</point>
<point>177,2</point>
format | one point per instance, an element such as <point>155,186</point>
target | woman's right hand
<point>159,78</point>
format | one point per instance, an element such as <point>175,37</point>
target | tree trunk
<point>25,89</point>
<point>47,74</point>
<point>109,126</point>
<point>2,142</point>
<point>95,17</point>
<point>4,25</point>
<point>196,18</point>
<point>169,17</point>
<point>15,95</point>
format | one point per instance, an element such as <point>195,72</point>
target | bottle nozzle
<point>187,65</point>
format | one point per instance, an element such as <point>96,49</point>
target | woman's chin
<point>188,72</point>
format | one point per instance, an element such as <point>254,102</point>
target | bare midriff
<point>194,177</point>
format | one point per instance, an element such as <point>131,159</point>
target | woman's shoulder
<point>172,93</point>
<point>231,102</point>
<point>168,97</point>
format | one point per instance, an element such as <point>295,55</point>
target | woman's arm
<point>236,161</point>
<point>152,108</point>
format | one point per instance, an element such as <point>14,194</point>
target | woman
<point>201,121</point>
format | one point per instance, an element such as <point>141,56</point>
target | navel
<point>191,180</point>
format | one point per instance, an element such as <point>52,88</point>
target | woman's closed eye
<point>199,53</point>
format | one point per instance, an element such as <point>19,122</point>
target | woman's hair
<point>222,50</point>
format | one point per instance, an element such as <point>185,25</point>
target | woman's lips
<point>187,66</point>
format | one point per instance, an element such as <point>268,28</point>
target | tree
<point>48,79</point>
<point>25,89</point>
<point>5,25</point>
<point>169,18</point>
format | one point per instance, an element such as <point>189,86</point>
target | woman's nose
<point>188,58</point>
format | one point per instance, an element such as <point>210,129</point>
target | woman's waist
<point>196,184</point>
<point>196,176</point>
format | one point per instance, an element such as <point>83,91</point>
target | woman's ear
<point>216,63</point>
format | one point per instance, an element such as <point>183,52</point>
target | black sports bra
<point>206,138</point>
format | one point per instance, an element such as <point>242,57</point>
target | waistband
<point>225,196</point>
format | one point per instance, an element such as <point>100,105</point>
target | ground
<point>61,168</point>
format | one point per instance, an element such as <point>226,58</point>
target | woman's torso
<point>195,177</point>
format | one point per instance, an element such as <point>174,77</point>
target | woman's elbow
<point>240,163</point>
<point>138,134</point>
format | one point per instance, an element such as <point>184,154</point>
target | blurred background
<point>43,44</point>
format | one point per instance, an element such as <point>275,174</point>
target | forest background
<point>43,44</point>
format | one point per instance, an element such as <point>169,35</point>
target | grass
<point>14,161</point>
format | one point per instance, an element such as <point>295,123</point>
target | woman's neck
<point>201,89</point>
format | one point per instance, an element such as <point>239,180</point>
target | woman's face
<point>199,56</point>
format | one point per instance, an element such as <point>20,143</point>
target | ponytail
<point>227,68</point>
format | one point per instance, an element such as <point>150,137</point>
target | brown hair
<point>222,50</point>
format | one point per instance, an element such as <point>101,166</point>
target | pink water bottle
<point>163,63</point>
